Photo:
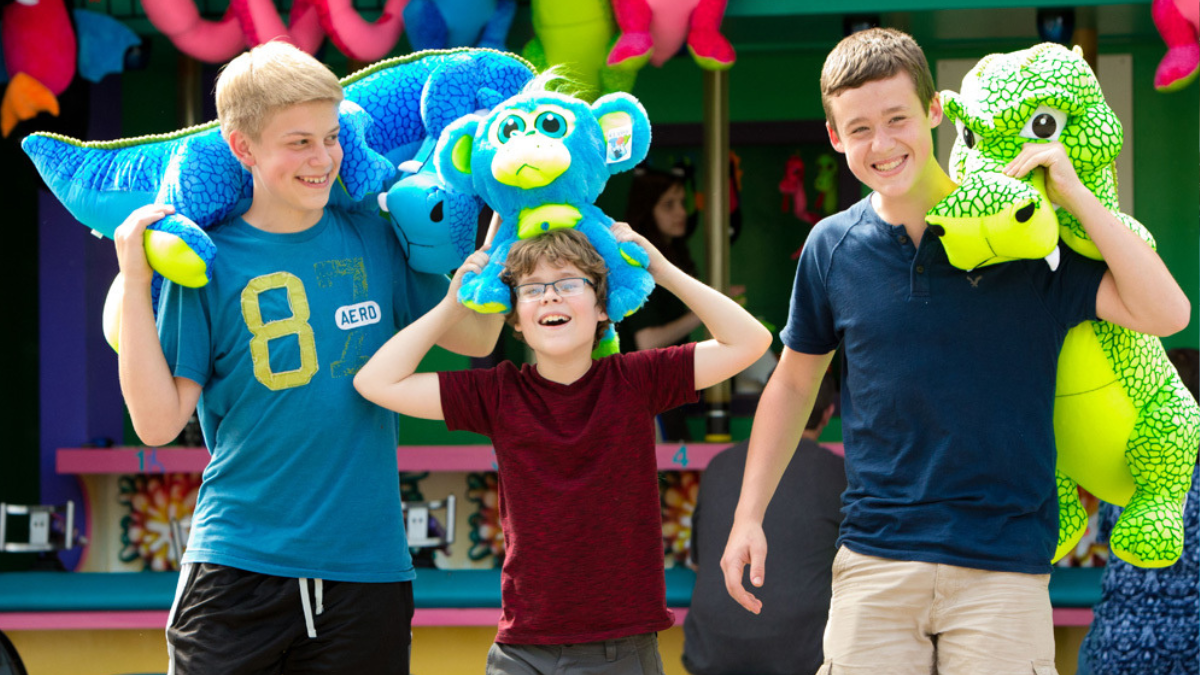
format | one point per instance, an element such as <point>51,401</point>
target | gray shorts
<point>635,655</point>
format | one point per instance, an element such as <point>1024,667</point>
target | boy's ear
<point>452,157</point>
<point>626,129</point>
<point>239,143</point>
<point>935,110</point>
<point>834,139</point>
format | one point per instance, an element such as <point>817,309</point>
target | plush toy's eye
<point>1046,124</point>
<point>511,126</point>
<point>967,135</point>
<point>551,124</point>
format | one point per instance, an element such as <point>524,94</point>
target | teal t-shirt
<point>303,479</point>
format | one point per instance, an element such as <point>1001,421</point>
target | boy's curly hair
<point>558,248</point>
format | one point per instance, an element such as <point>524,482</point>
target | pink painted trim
<point>1072,616</point>
<point>125,460</point>
<point>464,616</point>
<point>83,620</point>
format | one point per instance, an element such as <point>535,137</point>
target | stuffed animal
<point>391,110</point>
<point>540,160</point>
<point>441,24</point>
<point>1178,22</point>
<point>249,23</point>
<point>792,188</point>
<point>100,183</point>
<point>826,185</point>
<point>575,38</point>
<point>43,51</point>
<point>1126,428</point>
<point>655,30</point>
<point>435,224</point>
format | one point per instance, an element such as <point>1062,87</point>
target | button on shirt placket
<point>919,255</point>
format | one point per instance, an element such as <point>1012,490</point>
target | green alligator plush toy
<point>1126,428</point>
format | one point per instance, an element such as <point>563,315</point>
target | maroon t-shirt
<point>578,489</point>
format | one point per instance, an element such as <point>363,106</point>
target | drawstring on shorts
<point>307,605</point>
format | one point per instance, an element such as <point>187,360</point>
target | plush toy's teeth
<point>1052,259</point>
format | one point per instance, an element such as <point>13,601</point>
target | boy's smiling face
<point>295,162</point>
<point>884,132</point>
<point>556,326</point>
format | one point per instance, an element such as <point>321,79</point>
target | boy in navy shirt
<point>948,390</point>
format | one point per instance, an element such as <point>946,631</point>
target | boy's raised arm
<point>159,403</point>
<point>738,338</point>
<point>390,378</point>
<point>1138,291</point>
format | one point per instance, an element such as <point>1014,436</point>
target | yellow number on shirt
<point>297,324</point>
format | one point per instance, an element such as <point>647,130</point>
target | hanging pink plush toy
<point>249,23</point>
<point>1178,22</point>
<point>792,187</point>
<point>655,30</point>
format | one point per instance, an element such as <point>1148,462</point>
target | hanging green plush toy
<point>1126,428</point>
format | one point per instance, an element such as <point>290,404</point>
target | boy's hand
<point>130,239</point>
<point>1062,183</point>
<point>474,263</point>
<point>747,545</point>
<point>623,232</point>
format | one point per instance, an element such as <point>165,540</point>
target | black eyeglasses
<point>565,288</point>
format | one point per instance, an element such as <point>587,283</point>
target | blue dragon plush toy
<point>394,112</point>
<point>540,160</point>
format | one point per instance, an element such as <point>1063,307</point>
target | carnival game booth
<point>752,137</point>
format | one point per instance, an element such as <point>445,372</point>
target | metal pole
<point>188,93</point>
<point>716,228</point>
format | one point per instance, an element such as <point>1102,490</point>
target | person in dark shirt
<point>656,210</point>
<point>802,525</point>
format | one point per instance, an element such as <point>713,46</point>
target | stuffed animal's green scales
<point>1126,428</point>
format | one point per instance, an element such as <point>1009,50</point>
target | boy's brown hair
<point>266,79</point>
<point>870,55</point>
<point>558,248</point>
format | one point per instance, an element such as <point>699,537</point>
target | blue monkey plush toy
<point>540,160</point>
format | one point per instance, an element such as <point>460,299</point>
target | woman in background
<point>656,210</point>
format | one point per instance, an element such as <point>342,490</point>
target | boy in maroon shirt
<point>582,582</point>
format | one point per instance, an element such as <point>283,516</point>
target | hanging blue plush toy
<point>540,160</point>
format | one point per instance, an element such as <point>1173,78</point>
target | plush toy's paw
<point>1072,517</point>
<point>711,50</point>
<point>485,294</point>
<point>24,98</point>
<point>180,251</point>
<point>631,51</point>
<point>1178,68</point>
<point>635,255</point>
<point>1149,532</point>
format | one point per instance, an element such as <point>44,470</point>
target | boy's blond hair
<point>558,248</point>
<point>266,79</point>
<point>870,55</point>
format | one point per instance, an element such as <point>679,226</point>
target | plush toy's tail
<point>1182,62</point>
<point>609,344</point>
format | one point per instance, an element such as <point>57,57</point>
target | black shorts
<point>228,621</point>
